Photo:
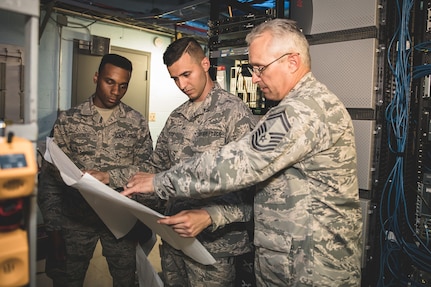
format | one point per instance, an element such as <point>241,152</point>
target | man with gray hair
<point>302,157</point>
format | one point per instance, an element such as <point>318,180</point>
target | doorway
<point>85,65</point>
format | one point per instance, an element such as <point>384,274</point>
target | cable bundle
<point>393,206</point>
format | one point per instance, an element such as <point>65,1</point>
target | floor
<point>98,273</point>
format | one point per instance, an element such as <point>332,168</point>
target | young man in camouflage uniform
<point>209,119</point>
<point>302,157</point>
<point>109,140</point>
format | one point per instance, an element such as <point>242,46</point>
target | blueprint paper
<point>119,212</point>
<point>146,274</point>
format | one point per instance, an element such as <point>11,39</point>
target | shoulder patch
<point>270,133</point>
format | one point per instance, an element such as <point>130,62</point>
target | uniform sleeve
<point>159,160</point>
<point>143,149</point>
<point>61,137</point>
<point>50,184</point>
<point>49,196</point>
<point>222,215</point>
<point>277,142</point>
<point>241,122</point>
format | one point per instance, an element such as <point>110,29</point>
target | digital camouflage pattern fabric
<point>307,214</point>
<point>118,146</point>
<point>190,130</point>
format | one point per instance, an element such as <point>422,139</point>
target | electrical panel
<point>97,45</point>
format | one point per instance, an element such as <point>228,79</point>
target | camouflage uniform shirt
<point>221,118</point>
<point>118,146</point>
<point>307,213</point>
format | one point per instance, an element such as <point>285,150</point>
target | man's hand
<point>140,182</point>
<point>188,223</point>
<point>101,176</point>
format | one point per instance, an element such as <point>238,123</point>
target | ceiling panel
<point>166,16</point>
<point>189,17</point>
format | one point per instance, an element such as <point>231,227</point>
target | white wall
<point>55,68</point>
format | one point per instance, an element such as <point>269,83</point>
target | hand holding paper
<point>119,212</point>
<point>188,223</point>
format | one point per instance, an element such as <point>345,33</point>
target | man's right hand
<point>140,182</point>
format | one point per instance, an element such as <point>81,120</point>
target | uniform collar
<point>303,82</point>
<point>88,108</point>
<point>209,101</point>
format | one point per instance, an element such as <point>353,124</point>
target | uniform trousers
<point>120,255</point>
<point>179,270</point>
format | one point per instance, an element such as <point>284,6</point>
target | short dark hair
<point>116,60</point>
<point>183,45</point>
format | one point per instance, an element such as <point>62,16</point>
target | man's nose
<point>116,89</point>
<point>182,84</point>
<point>254,78</point>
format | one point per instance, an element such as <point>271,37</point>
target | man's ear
<point>205,63</point>
<point>294,62</point>
<point>96,75</point>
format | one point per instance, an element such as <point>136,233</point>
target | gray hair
<point>286,36</point>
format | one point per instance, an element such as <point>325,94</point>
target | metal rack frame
<point>30,10</point>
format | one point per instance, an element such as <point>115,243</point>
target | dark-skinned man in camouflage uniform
<point>109,140</point>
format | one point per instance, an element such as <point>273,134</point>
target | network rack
<point>231,31</point>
